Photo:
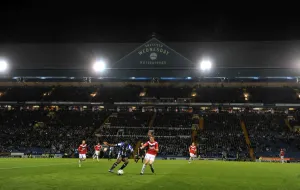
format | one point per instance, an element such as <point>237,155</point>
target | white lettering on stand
<point>154,50</point>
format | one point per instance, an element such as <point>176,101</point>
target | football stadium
<point>236,102</point>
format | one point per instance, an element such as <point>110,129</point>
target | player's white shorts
<point>119,155</point>
<point>193,155</point>
<point>82,156</point>
<point>150,157</point>
<point>97,152</point>
<point>282,157</point>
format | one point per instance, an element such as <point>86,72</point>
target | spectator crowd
<point>61,131</point>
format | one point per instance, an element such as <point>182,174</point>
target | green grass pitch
<point>64,174</point>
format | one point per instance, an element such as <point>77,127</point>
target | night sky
<point>54,23</point>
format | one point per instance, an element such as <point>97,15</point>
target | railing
<point>180,136</point>
<point>287,123</point>
<point>201,123</point>
<point>247,139</point>
<point>152,120</point>
<point>149,103</point>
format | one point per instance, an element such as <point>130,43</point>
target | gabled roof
<point>153,55</point>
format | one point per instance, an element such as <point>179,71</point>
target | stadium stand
<point>174,139</point>
<point>222,134</point>
<point>57,129</point>
<point>269,133</point>
<point>47,131</point>
<point>132,93</point>
<point>219,94</point>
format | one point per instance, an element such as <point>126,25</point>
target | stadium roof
<point>155,59</point>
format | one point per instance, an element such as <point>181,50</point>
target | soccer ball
<point>120,172</point>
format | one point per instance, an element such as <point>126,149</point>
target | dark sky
<point>56,23</point>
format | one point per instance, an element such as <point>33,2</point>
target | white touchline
<point>35,166</point>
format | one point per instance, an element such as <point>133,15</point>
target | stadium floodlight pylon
<point>3,65</point>
<point>99,66</point>
<point>205,65</point>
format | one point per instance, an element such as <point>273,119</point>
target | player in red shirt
<point>151,153</point>
<point>193,152</point>
<point>97,149</point>
<point>82,149</point>
<point>281,155</point>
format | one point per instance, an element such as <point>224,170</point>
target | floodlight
<point>99,66</point>
<point>205,65</point>
<point>3,65</point>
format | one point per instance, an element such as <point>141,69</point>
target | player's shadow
<point>149,174</point>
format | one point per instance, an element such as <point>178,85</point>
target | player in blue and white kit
<point>125,150</point>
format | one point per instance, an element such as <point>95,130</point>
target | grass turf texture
<point>211,175</point>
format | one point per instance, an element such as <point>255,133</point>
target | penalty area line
<point>35,166</point>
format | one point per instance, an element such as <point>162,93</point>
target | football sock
<point>152,169</point>
<point>142,160</point>
<point>114,165</point>
<point>143,168</point>
<point>123,166</point>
